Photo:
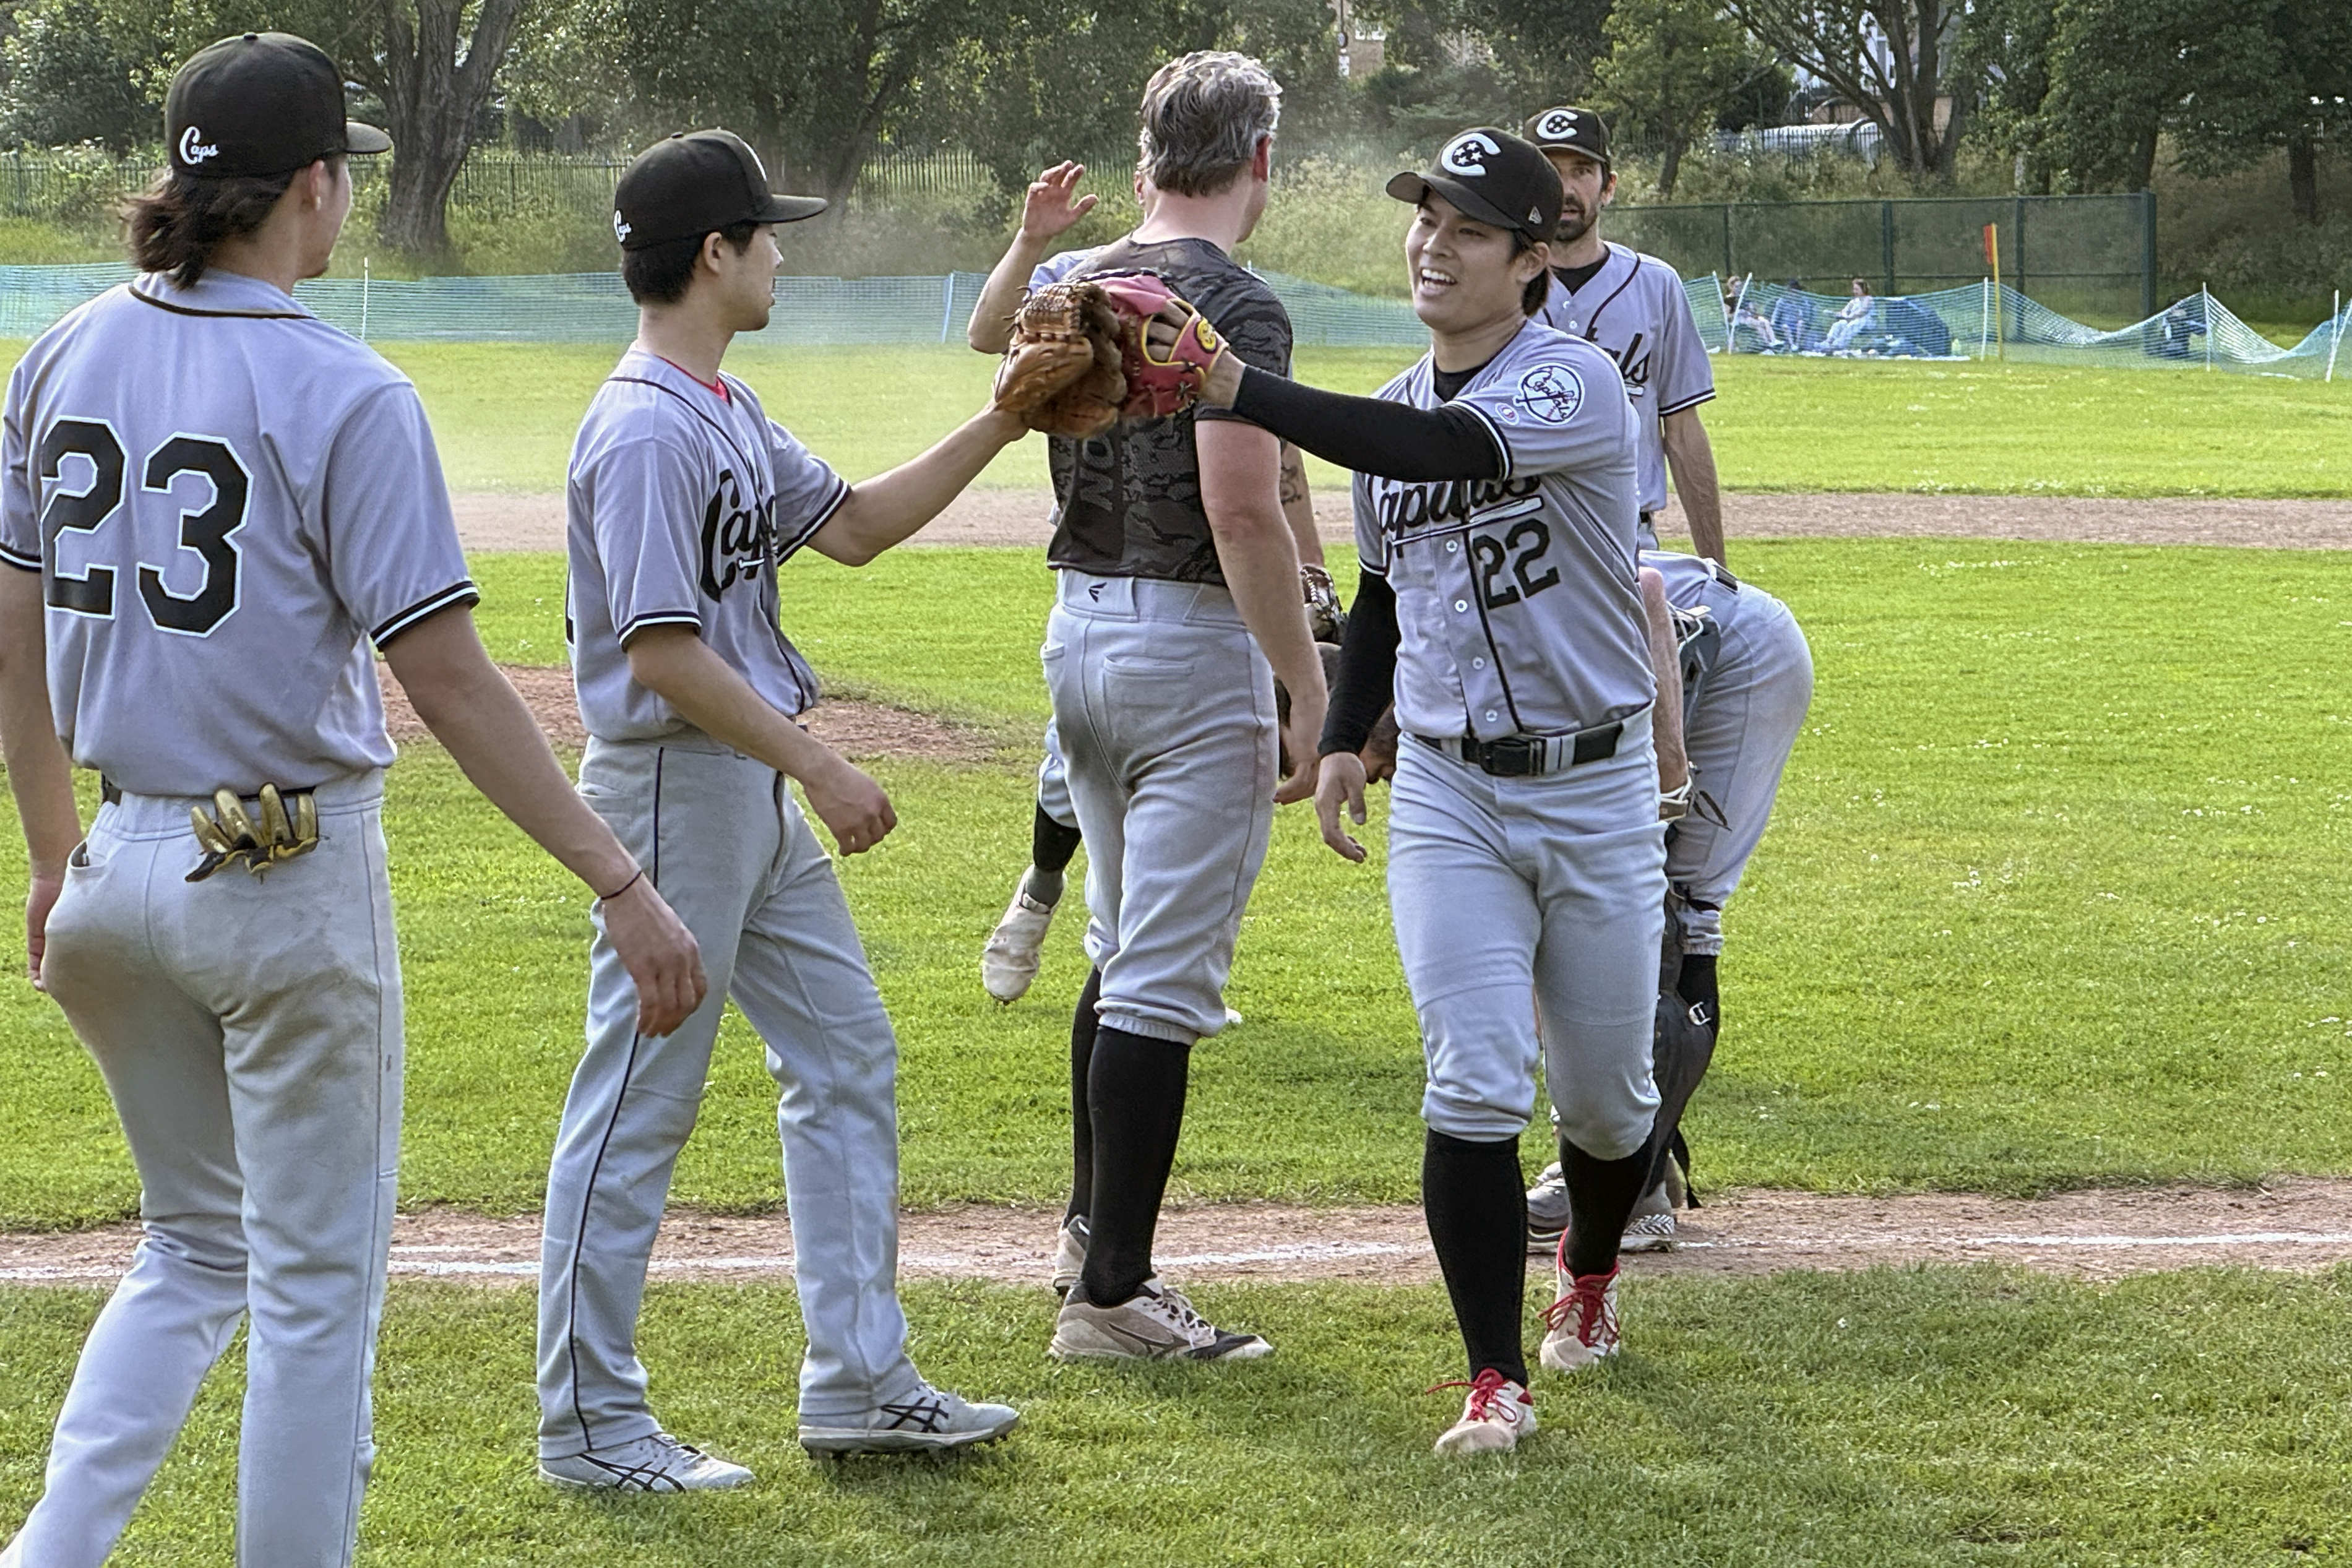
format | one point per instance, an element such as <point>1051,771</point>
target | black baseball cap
<point>1576,130</point>
<point>697,182</point>
<point>258,105</point>
<point>1493,176</point>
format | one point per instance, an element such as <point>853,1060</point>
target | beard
<point>1572,226</point>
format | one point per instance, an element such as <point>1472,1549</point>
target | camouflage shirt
<point>1128,504</point>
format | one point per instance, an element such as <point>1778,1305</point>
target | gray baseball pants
<point>1164,708</point>
<point>1522,899</point>
<point>249,1031</point>
<point>723,839</point>
<point>1740,733</point>
<point>1054,781</point>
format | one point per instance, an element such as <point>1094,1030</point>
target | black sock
<point>1475,1201</point>
<point>1135,1097</point>
<point>1696,987</point>
<point>1601,1198</point>
<point>1051,844</point>
<point>1083,1024</point>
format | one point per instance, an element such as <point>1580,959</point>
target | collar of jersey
<point>1612,254</point>
<point>221,293</point>
<point>647,365</point>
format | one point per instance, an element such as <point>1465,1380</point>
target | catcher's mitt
<point>1081,360</point>
<point>230,834</point>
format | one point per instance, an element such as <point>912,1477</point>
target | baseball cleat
<point>1008,963</point>
<point>1496,1416</point>
<point>1580,1328</point>
<point>928,1421</point>
<point>1547,1211</point>
<point>1069,1254</point>
<point>1650,1228</point>
<point>660,1463</point>
<point>1233,1017</point>
<point>1157,1324</point>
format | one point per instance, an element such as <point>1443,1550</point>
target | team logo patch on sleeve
<point>1550,393</point>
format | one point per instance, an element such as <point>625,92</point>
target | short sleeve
<point>1372,544</point>
<point>20,494</point>
<point>646,503</point>
<point>1060,265</point>
<point>393,554</point>
<point>1257,329</point>
<point>1548,414</point>
<point>1680,373</point>
<point>808,492</point>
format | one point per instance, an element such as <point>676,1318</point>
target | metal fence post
<point>2146,254</point>
<point>1727,270</point>
<point>947,305</point>
<point>1886,241</point>
<point>2018,273</point>
<point>2205,313</point>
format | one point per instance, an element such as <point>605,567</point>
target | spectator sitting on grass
<point>1793,319</point>
<point>1851,318</point>
<point>1744,318</point>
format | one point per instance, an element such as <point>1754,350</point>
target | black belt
<point>109,792</point>
<point>1525,756</point>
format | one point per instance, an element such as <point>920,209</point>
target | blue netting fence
<point>1748,316</point>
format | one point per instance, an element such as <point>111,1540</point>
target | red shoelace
<point>1485,1389</point>
<point>1587,1301</point>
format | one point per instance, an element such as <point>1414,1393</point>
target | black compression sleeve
<point>1367,668</point>
<point>1371,434</point>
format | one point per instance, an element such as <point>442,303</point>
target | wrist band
<point>608,898</point>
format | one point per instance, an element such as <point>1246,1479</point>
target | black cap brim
<point>362,137</point>
<point>1414,188</point>
<point>788,209</point>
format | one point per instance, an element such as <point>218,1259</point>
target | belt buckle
<point>1512,757</point>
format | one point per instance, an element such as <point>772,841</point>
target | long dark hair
<point>177,222</point>
<point>1532,297</point>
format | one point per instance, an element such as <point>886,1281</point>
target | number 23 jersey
<point>227,500</point>
<point>1517,605</point>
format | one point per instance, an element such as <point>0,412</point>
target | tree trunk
<point>2303,175</point>
<point>431,100</point>
<point>2143,163</point>
<point>1671,170</point>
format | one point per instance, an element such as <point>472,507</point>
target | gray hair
<point>1204,117</point>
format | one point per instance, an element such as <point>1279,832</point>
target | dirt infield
<point>856,730</point>
<point>2098,1234</point>
<point>494,522</point>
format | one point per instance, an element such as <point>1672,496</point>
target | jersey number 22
<point>207,531</point>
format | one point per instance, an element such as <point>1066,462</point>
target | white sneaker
<point>1497,1413</point>
<point>1070,1253</point>
<point>931,1420</point>
<point>1651,1226</point>
<point>1008,963</point>
<point>1234,1019</point>
<point>1547,1211</point>
<point>657,1464</point>
<point>1157,1324</point>
<point>1581,1327</point>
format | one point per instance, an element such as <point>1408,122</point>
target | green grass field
<point>2053,896</point>
<point>504,416</point>
<point>1929,1417</point>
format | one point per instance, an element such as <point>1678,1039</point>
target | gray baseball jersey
<point>682,502</point>
<point>1061,265</point>
<point>1635,310</point>
<point>226,498</point>
<point>1516,601</point>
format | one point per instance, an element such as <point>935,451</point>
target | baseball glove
<point>1081,361</point>
<point>1325,619</point>
<point>230,834</point>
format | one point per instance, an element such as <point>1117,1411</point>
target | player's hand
<point>1342,783</point>
<point>852,805</point>
<point>1052,203</point>
<point>1379,751</point>
<point>1302,735</point>
<point>1223,383</point>
<point>38,901</point>
<point>660,954</point>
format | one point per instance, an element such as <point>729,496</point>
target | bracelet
<point>608,898</point>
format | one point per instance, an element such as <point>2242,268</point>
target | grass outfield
<point>505,417</point>
<point>1935,1416</point>
<point>2055,896</point>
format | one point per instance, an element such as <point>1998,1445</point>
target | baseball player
<point>1634,306</point>
<point>1496,507</point>
<point>683,500</point>
<point>1746,679</point>
<point>1008,960</point>
<point>1177,603</point>
<point>213,504</point>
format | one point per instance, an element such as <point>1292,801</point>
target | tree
<point>1672,66</point>
<point>70,81</point>
<point>1892,60</point>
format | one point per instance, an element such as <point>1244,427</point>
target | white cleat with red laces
<point>1581,1327</point>
<point>1497,1413</point>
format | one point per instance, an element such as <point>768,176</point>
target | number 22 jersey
<point>1517,605</point>
<point>227,500</point>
